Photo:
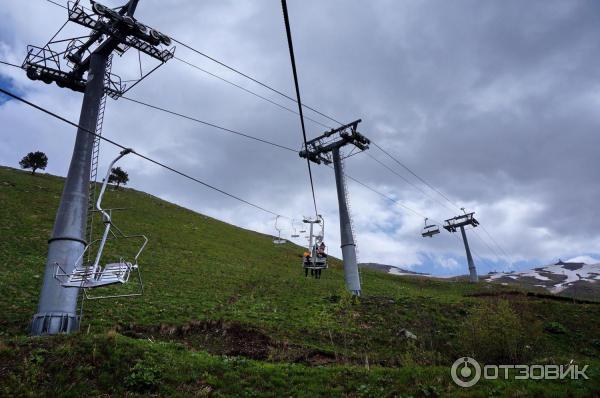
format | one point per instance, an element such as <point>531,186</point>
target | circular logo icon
<point>465,372</point>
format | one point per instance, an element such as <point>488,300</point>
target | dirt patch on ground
<point>234,339</point>
<point>228,338</point>
<point>516,295</point>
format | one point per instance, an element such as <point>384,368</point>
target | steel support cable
<point>409,182</point>
<point>57,4</point>
<point>56,34</point>
<point>480,260</point>
<point>437,191</point>
<point>440,203</point>
<point>253,79</point>
<point>299,101</point>
<point>495,242</point>
<point>9,64</point>
<point>249,91</point>
<point>382,194</point>
<point>485,243</point>
<point>415,174</point>
<point>191,118</point>
<point>156,162</point>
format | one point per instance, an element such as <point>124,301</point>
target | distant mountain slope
<point>573,278</point>
<point>389,269</point>
<point>567,278</point>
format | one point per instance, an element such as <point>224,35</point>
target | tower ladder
<point>94,171</point>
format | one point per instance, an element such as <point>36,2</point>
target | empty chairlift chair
<point>278,240</point>
<point>430,230</point>
<point>93,275</point>
<point>295,233</point>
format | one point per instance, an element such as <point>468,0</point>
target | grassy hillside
<point>226,313</point>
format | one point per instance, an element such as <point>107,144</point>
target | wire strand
<point>156,162</point>
<point>191,118</point>
<point>408,181</point>
<point>252,79</point>
<point>9,64</point>
<point>249,91</point>
<point>443,196</point>
<point>414,174</point>
<point>299,101</point>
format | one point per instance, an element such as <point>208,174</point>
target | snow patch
<point>583,259</point>
<point>588,272</point>
<point>398,271</point>
<point>515,275</point>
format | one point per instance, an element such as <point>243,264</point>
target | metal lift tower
<point>460,222</point>
<point>326,149</point>
<point>87,70</point>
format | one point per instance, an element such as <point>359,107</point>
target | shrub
<point>143,378</point>
<point>555,328</point>
<point>494,333</point>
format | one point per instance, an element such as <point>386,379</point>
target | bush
<point>555,328</point>
<point>494,334</point>
<point>143,378</point>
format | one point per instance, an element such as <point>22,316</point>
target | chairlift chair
<point>278,240</point>
<point>315,261</point>
<point>295,233</point>
<point>93,275</point>
<point>430,230</point>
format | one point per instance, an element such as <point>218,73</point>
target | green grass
<point>225,312</point>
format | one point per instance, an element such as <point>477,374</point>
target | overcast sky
<point>494,103</point>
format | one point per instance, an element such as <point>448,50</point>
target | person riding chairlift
<point>306,257</point>
<point>321,250</point>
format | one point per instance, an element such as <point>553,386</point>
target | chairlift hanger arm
<point>459,221</point>
<point>108,45</point>
<point>317,151</point>
<point>124,30</point>
<point>329,133</point>
<point>105,182</point>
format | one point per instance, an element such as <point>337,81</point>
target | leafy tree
<point>34,160</point>
<point>118,176</point>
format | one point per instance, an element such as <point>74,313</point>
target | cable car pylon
<point>460,222</point>
<point>326,149</point>
<point>111,31</point>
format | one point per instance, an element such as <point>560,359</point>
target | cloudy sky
<point>494,103</point>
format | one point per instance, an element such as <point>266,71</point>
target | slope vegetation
<point>226,313</point>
